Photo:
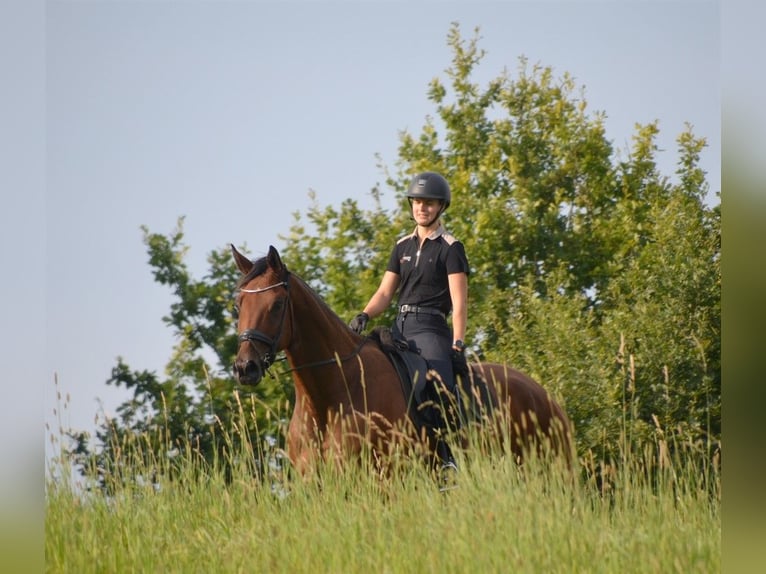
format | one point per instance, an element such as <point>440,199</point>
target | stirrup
<point>448,476</point>
<point>450,465</point>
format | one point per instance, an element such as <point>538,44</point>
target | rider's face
<point>424,211</point>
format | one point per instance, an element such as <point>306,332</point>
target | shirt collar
<point>435,234</point>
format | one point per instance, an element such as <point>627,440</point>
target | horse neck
<point>318,335</point>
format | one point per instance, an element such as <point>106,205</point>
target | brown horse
<point>348,395</point>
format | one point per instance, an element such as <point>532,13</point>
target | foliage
<point>600,278</point>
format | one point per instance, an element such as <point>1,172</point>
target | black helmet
<point>430,185</point>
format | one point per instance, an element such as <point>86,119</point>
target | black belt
<point>416,309</point>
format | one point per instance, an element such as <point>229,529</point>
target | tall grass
<point>659,511</point>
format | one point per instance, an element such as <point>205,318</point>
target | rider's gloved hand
<point>359,322</point>
<point>459,363</point>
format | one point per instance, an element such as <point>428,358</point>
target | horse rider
<point>429,268</point>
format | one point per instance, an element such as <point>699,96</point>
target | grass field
<point>500,518</point>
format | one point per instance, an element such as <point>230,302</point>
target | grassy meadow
<point>655,513</point>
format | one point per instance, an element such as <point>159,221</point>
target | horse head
<point>262,302</point>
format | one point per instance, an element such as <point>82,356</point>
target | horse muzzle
<point>248,371</point>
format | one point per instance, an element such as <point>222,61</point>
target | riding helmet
<point>430,185</point>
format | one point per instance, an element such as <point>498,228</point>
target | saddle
<point>422,391</point>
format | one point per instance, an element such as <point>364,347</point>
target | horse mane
<point>259,268</point>
<point>320,302</point>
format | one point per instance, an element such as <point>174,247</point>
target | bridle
<point>252,335</point>
<point>267,359</point>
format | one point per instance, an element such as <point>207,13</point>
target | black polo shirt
<point>423,275</point>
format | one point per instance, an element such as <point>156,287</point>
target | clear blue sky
<point>229,112</point>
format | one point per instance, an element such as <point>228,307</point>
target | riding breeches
<point>432,338</point>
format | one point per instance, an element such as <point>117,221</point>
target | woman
<point>429,269</point>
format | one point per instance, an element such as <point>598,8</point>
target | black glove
<point>359,322</point>
<point>459,364</point>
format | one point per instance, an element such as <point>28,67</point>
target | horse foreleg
<point>303,446</point>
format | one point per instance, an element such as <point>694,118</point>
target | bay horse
<point>348,395</point>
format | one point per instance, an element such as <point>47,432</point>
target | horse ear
<point>243,263</point>
<point>275,262</point>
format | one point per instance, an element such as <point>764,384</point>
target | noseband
<point>252,335</point>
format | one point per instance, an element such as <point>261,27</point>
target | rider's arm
<point>458,290</point>
<point>380,301</point>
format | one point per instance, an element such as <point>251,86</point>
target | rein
<point>326,361</point>
<point>268,359</point>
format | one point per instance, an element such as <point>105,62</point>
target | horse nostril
<point>247,372</point>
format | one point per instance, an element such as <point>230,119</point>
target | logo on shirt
<point>405,258</point>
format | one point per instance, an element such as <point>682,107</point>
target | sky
<point>228,113</point>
